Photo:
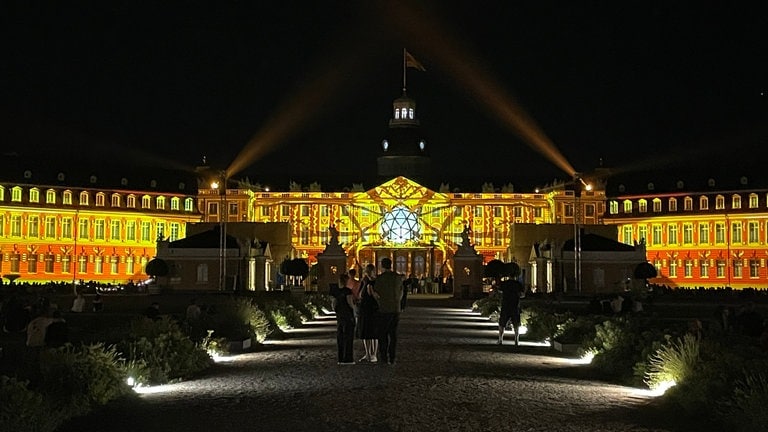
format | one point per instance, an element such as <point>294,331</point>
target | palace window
<point>703,233</point>
<point>614,207</point>
<point>304,210</point>
<point>704,268</point>
<point>49,258</point>
<point>16,194</point>
<point>656,235</point>
<point>642,233</point>
<point>753,200</point>
<point>130,230</point>
<point>627,206</point>
<point>497,241</point>
<point>160,202</point>
<point>82,228</point>
<point>497,211</point>
<point>66,197</point>
<point>736,232</point>
<point>285,210</point>
<point>719,202</point>
<point>175,201</point>
<point>83,198</point>
<point>673,268</point>
<point>672,234</point>
<point>736,201</point>
<point>304,235</point>
<point>160,231</point>
<point>202,273</point>
<point>34,195</point>
<point>324,211</point>
<point>146,202</point>
<point>66,227</point>
<point>189,204</point>
<point>98,229</point>
<point>703,203</point>
<point>50,196</point>
<point>115,200</point>
<point>478,211</point>
<point>656,205</point>
<point>175,230</point>
<point>738,265</point>
<point>627,234</point>
<point>114,230</point>
<point>32,263</point>
<point>129,262</point>
<point>114,265</point>
<point>753,232</point>
<point>754,268</point>
<point>673,204</point>
<point>688,204</point>
<point>100,199</point>
<point>720,268</point>
<point>15,225</point>
<point>145,231</point>
<point>82,264</point>
<point>99,265</point>
<point>50,227</point>
<point>719,233</point>
<point>66,264</point>
<point>33,227</point>
<point>130,202</point>
<point>688,268</point>
<point>642,206</point>
<point>687,233</point>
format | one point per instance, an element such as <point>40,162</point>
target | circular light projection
<point>385,145</point>
<point>400,225</point>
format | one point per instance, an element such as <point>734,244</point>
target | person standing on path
<point>511,292</point>
<point>345,322</point>
<point>366,323</point>
<point>388,291</point>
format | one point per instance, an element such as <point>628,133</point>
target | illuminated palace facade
<point>54,231</point>
<point>417,227</point>
<point>711,238</point>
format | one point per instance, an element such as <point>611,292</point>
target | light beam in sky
<point>427,35</point>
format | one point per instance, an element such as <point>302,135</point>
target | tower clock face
<point>400,225</point>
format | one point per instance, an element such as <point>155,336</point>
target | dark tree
<point>494,269</point>
<point>645,271</point>
<point>156,267</point>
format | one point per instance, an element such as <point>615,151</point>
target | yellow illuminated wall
<point>712,239</point>
<point>66,234</point>
<point>442,216</point>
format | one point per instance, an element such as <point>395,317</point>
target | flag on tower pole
<point>411,62</point>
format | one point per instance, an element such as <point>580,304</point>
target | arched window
<point>131,201</point>
<point>50,196</point>
<point>719,202</point>
<point>736,201</point>
<point>160,203</point>
<point>703,203</point>
<point>410,113</point>
<point>175,203</point>
<point>146,202</point>
<point>100,199</point>
<point>397,114</point>
<point>115,200</point>
<point>34,195</point>
<point>189,204</point>
<point>66,198</point>
<point>83,198</point>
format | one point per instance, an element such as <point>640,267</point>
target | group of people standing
<point>369,309</point>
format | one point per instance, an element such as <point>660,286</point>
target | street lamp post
<point>221,186</point>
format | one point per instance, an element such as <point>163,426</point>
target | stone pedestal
<point>331,263</point>
<point>468,271</point>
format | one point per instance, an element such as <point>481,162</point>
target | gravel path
<point>450,375</point>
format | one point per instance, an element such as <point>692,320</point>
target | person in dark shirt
<point>511,293</point>
<point>345,322</point>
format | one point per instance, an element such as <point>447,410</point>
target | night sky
<point>670,85</point>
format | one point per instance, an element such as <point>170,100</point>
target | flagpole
<point>404,66</point>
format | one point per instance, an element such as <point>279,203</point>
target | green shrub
<point>168,353</point>
<point>25,410</point>
<point>486,306</point>
<point>543,322</point>
<point>744,410</point>
<point>240,318</point>
<point>283,315</point>
<point>83,377</point>
<point>675,361</point>
<point>318,302</point>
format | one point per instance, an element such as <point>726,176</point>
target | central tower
<point>403,152</point>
